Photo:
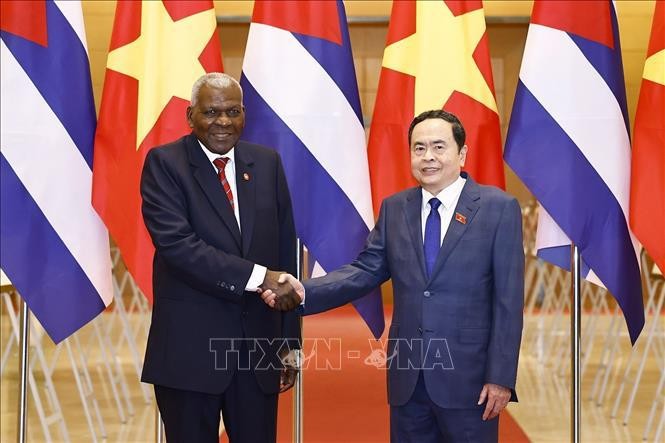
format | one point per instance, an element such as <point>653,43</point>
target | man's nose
<point>223,119</point>
<point>429,154</point>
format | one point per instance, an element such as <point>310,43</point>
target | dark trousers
<point>420,420</point>
<point>250,415</point>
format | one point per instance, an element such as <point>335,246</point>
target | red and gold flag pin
<point>460,218</point>
<point>245,177</point>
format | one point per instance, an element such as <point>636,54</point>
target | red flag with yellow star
<point>158,50</point>
<point>436,57</point>
<point>647,184</point>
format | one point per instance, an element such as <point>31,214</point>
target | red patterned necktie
<point>221,164</point>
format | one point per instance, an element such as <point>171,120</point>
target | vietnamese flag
<point>647,177</point>
<point>158,50</point>
<point>436,57</point>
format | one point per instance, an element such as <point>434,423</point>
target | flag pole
<point>298,390</point>
<point>23,371</point>
<point>575,334</point>
<point>159,425</point>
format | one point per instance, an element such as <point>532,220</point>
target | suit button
<point>426,293</point>
<point>233,287</point>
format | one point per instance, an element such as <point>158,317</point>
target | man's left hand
<point>497,398</point>
<point>289,372</point>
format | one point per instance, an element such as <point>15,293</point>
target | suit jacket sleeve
<point>354,280</point>
<point>508,299</point>
<point>166,217</point>
<point>287,253</point>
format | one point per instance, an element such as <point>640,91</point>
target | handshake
<point>281,291</point>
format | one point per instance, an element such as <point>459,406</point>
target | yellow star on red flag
<point>440,55</point>
<point>436,57</point>
<point>164,59</point>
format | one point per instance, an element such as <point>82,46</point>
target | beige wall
<point>379,8</point>
<point>506,48</point>
<point>635,26</point>
<point>98,17</point>
<point>368,40</point>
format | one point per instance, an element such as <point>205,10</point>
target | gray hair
<point>213,80</point>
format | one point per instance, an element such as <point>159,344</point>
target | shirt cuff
<point>256,278</point>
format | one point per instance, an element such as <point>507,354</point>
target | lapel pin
<point>460,218</point>
<point>245,177</point>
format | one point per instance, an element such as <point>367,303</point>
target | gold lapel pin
<point>245,177</point>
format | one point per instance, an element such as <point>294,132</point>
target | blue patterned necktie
<point>432,241</point>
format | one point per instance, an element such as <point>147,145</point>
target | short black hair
<point>458,130</point>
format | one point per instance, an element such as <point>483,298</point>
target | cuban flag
<point>568,141</point>
<point>301,96</point>
<point>55,249</point>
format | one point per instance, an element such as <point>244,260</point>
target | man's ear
<point>462,154</point>
<point>189,117</point>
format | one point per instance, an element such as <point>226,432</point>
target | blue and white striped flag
<point>568,141</point>
<point>301,96</point>
<point>55,249</point>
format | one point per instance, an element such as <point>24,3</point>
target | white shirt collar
<point>448,195</point>
<point>213,156</point>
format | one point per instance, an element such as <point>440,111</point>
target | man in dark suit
<point>453,249</point>
<point>219,214</point>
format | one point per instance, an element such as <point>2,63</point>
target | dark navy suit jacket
<point>462,327</point>
<point>202,264</point>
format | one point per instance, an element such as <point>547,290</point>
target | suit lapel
<point>246,186</point>
<point>467,206</point>
<point>204,173</point>
<point>412,214</point>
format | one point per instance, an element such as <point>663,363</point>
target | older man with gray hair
<point>219,214</point>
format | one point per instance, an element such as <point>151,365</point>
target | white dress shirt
<point>259,272</point>
<point>448,197</point>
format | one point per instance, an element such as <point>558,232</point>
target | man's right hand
<point>284,295</point>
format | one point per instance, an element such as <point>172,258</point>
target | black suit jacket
<point>203,261</point>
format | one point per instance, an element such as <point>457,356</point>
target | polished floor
<point>543,386</point>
